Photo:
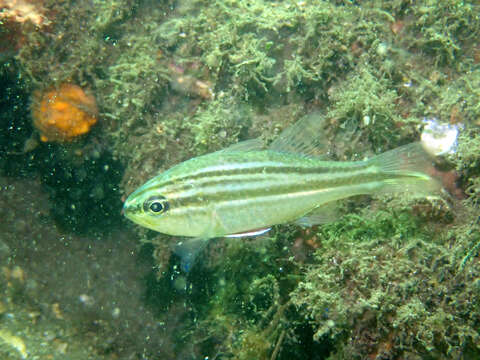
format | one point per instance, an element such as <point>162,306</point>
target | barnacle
<point>61,114</point>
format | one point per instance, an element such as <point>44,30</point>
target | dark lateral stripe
<point>199,206</point>
<point>263,170</point>
<point>193,204</point>
<point>272,167</point>
<point>267,179</point>
<point>219,192</point>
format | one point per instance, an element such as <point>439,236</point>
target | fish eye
<point>156,204</point>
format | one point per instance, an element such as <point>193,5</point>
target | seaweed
<point>177,79</point>
<point>394,285</point>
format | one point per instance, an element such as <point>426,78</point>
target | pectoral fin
<point>188,250</point>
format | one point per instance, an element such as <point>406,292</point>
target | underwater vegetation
<point>166,81</point>
<point>382,286</point>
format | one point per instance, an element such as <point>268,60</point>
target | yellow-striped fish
<point>243,190</point>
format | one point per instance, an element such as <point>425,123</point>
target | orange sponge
<point>61,114</point>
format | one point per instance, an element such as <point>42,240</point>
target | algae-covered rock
<point>384,286</point>
<point>176,79</point>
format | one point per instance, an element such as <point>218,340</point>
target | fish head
<point>148,206</point>
<point>157,205</point>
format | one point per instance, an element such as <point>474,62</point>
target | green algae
<point>391,282</point>
<point>285,45</point>
<point>398,279</point>
<point>444,31</point>
<point>220,121</point>
<point>364,104</point>
<point>466,160</point>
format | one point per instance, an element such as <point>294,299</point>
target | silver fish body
<point>230,192</point>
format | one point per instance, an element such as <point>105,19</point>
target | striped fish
<point>244,191</point>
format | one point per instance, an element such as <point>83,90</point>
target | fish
<point>246,189</point>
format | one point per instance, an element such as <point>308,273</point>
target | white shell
<point>439,138</point>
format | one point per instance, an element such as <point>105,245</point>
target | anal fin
<point>323,214</point>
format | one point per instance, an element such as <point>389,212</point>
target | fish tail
<point>407,168</point>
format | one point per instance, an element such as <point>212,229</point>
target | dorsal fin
<point>247,145</point>
<point>306,136</point>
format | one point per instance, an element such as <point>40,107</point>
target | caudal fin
<point>408,168</point>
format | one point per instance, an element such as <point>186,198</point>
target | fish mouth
<point>133,212</point>
<point>126,211</point>
<point>129,211</point>
<point>133,216</point>
<point>130,208</point>
<point>138,219</point>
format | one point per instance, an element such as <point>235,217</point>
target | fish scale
<point>230,192</point>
